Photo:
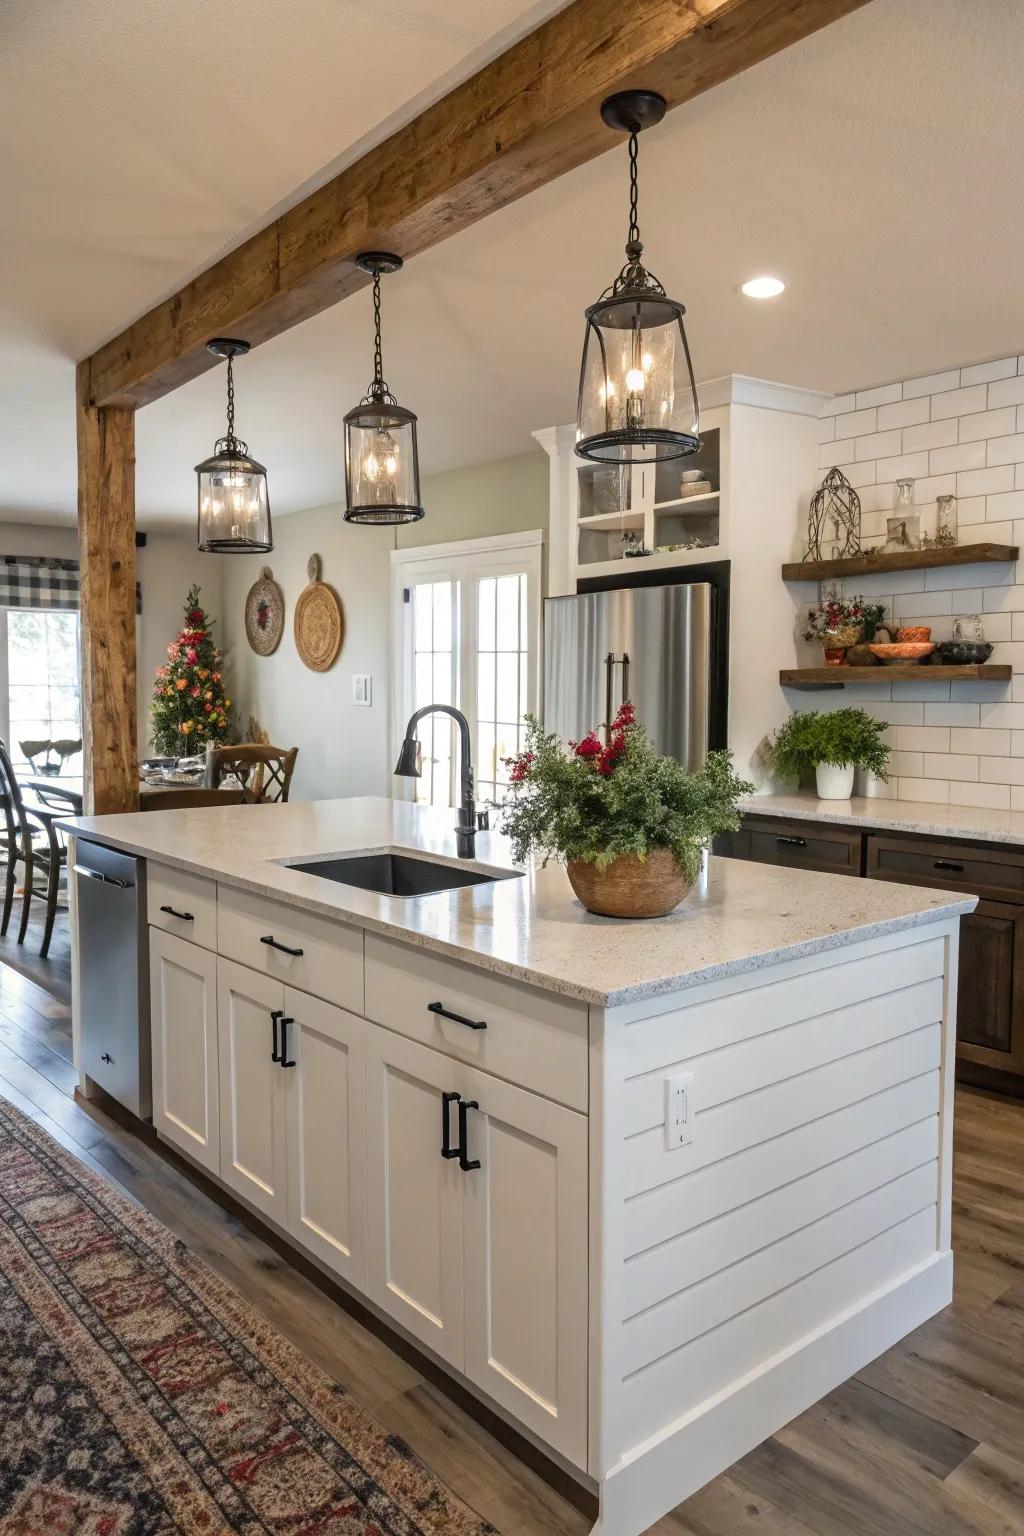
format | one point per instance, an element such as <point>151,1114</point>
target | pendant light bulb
<point>637,395</point>
<point>382,482</point>
<point>234,505</point>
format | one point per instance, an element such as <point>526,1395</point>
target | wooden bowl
<point>628,886</point>
<point>902,653</point>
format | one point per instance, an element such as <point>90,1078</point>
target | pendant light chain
<point>633,238</point>
<point>231,401</point>
<point>378,363</point>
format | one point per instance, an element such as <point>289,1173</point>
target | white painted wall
<point>165,568</point>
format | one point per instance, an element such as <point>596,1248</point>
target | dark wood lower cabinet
<point>990,995</point>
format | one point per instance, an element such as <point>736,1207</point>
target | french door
<point>467,632</point>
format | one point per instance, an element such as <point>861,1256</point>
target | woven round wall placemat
<point>319,623</point>
<point>264,614</point>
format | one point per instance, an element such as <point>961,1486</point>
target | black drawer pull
<point>456,1018</point>
<point>957,869</point>
<point>447,1100</point>
<point>467,1165</point>
<point>275,1018</point>
<point>285,1021</point>
<point>792,842</point>
<point>186,917</point>
<point>268,938</point>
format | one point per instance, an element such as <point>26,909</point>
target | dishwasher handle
<point>96,874</point>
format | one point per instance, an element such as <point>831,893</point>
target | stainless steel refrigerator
<point>650,645</point>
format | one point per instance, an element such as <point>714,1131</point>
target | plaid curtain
<point>28,582</point>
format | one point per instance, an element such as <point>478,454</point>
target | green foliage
<point>594,802</point>
<point>188,707</point>
<point>839,736</point>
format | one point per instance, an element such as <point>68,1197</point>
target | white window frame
<point>465,561</point>
<point>5,692</point>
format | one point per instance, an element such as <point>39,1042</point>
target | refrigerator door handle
<point>609,663</point>
<point>625,678</point>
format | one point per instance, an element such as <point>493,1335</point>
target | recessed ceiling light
<point>763,288</point>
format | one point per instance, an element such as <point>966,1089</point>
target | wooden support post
<point>106,533</point>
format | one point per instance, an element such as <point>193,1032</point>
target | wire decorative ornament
<point>833,520</point>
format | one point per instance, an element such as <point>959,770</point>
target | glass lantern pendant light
<point>234,508</point>
<point>638,398</point>
<point>382,472</point>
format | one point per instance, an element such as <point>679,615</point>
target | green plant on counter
<point>595,799</point>
<point>837,736</point>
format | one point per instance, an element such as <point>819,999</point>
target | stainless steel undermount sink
<point>395,874</point>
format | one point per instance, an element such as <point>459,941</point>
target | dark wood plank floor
<point>928,1441</point>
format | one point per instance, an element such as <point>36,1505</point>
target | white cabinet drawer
<point>532,1038</point>
<point>316,954</point>
<point>182,904</point>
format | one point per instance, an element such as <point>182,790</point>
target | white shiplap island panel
<point>495,1063</point>
<point>802,1230</point>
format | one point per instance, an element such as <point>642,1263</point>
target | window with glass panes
<point>501,678</point>
<point>435,681</point>
<point>43,671</point>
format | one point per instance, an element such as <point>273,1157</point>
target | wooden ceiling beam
<point>520,122</point>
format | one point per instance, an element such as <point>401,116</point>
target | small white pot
<point>834,781</point>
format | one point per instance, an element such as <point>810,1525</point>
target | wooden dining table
<point>69,788</point>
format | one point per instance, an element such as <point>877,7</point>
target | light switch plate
<point>362,688</point>
<point>680,1110</point>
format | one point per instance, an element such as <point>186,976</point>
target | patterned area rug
<point>141,1396</point>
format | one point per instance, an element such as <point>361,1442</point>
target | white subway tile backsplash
<point>931,384</point>
<point>970,510</point>
<point>1000,533</point>
<point>878,444</point>
<point>932,791</point>
<point>1006,392</point>
<point>992,797</point>
<point>960,402</point>
<point>1020,418</point>
<point>932,434</point>
<point>897,714</point>
<point>988,424</point>
<point>930,486</point>
<point>855,423</point>
<point>922,738</point>
<point>981,693</point>
<point>1008,654</point>
<point>904,413</point>
<point>921,606</point>
<point>998,626</point>
<point>838,404</point>
<point>947,765</point>
<point>984,373</point>
<point>901,763</point>
<point>943,461</point>
<point>993,743</point>
<point>885,394</point>
<point>1016,799</point>
<point>1003,716</point>
<point>968,600</point>
<point>1004,450</point>
<point>1002,770</point>
<point>963,715</point>
<point>826,429</point>
<point>1019,477</point>
<point>864,474</point>
<point>985,482</point>
<point>1008,599</point>
<point>834,453</point>
<point>1017,749</point>
<point>878,498</point>
<point>906,465</point>
<point>959,576</point>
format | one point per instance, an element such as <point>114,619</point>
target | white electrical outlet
<point>680,1110</point>
<point>362,688</point>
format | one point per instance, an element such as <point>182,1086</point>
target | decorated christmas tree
<point>188,706</point>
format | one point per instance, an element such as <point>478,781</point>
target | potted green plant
<point>630,824</point>
<point>834,744</point>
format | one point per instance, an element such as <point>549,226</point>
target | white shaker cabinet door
<point>326,1133</point>
<point>253,1088</point>
<point>414,1193</point>
<point>525,1261</point>
<point>183,992</point>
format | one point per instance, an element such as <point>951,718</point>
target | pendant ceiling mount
<point>234,505</point>
<point>382,472</point>
<point>637,396</point>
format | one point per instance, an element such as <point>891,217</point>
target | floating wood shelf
<point>911,560</point>
<point>841,677</point>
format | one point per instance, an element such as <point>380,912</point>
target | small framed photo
<point>903,531</point>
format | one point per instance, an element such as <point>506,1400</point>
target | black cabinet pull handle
<point>957,869</point>
<point>456,1018</point>
<point>107,1057</point>
<point>792,842</point>
<point>186,917</point>
<point>466,1164</point>
<point>447,1100</point>
<point>275,1018</point>
<point>284,1042</point>
<point>268,938</point>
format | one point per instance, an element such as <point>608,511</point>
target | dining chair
<point>186,799</point>
<point>264,772</point>
<point>24,826</point>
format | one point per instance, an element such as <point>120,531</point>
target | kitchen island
<point>647,1189</point>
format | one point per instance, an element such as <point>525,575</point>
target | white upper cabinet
<point>183,1001</point>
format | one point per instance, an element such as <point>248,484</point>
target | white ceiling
<point>877,167</point>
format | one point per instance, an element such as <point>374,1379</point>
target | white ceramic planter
<point>834,781</point>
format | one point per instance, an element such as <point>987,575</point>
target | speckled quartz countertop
<point>881,815</point>
<point>532,928</point>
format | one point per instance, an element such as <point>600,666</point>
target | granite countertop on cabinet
<point>741,918</point>
<point>878,814</point>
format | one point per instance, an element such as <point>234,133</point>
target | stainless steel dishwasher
<point>113,974</point>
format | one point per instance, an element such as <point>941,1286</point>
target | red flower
<point>195,616</point>
<point>196,691</point>
<point>590,746</point>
